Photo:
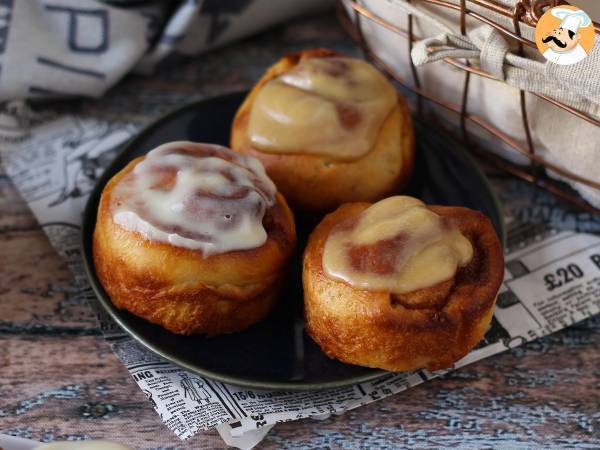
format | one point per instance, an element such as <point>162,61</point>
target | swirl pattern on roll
<point>331,107</point>
<point>197,196</point>
<point>396,245</point>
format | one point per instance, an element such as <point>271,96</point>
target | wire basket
<point>525,11</point>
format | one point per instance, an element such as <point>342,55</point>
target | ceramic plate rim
<point>89,220</point>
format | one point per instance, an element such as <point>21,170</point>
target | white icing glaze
<point>197,196</point>
<point>328,106</point>
<point>399,246</point>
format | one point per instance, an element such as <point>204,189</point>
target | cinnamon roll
<point>193,237</point>
<point>328,129</point>
<point>399,285</point>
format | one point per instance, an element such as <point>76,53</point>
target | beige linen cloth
<point>558,136</point>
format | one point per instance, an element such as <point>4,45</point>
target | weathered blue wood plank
<point>59,380</point>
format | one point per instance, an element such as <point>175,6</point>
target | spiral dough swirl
<point>197,196</point>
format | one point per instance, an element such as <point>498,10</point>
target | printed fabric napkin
<point>65,48</point>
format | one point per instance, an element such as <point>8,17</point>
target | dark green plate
<point>276,353</point>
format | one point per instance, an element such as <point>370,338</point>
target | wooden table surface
<point>59,379</point>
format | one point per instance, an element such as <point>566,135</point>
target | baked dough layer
<point>429,328</point>
<point>183,291</point>
<point>320,183</point>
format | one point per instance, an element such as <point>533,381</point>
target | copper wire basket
<point>525,11</point>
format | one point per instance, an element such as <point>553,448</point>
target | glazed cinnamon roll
<point>193,237</point>
<point>328,129</point>
<point>399,285</point>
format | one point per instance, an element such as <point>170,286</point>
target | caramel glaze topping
<point>325,106</point>
<point>399,246</point>
<point>197,196</point>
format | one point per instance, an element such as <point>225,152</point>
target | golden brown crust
<point>318,183</point>
<point>399,333</point>
<point>180,289</point>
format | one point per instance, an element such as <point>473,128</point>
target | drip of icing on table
<point>83,445</point>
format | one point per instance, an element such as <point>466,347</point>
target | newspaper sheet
<point>552,280</point>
